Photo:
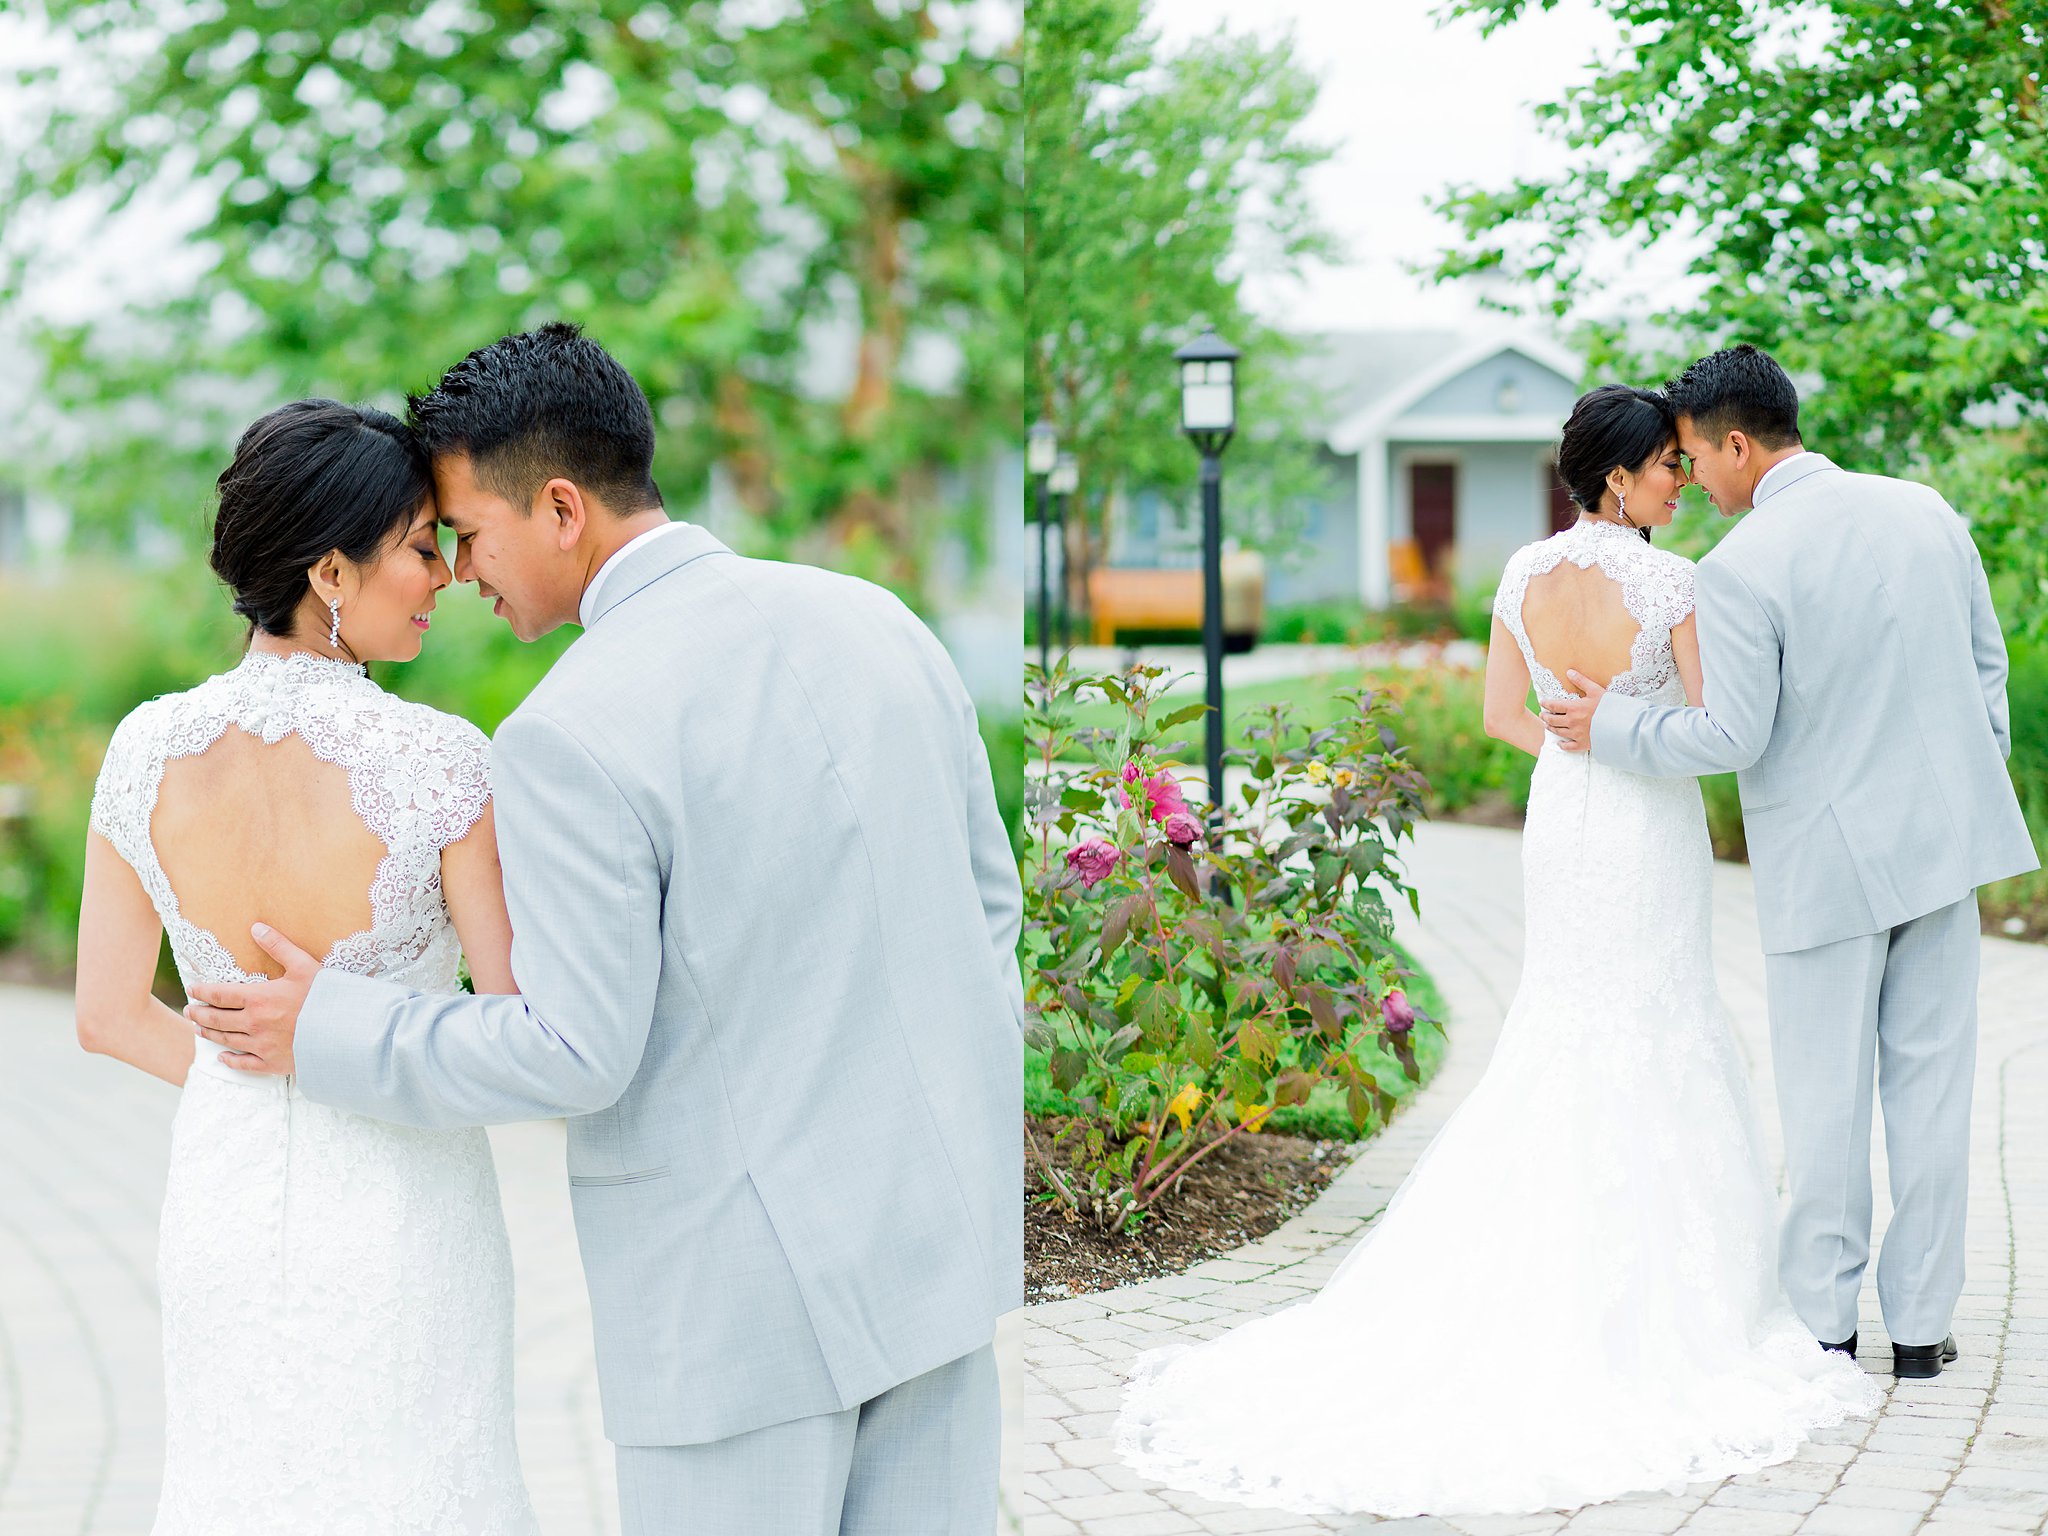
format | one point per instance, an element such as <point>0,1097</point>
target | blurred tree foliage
<point>791,221</point>
<point>1154,184</point>
<point>1865,183</point>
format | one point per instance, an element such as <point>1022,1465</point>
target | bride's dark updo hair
<point>1614,425</point>
<point>310,477</point>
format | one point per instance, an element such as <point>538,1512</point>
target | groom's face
<point>1718,468</point>
<point>514,556</point>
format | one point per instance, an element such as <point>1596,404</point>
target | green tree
<point>1154,183</point>
<point>1864,183</point>
<point>734,198</point>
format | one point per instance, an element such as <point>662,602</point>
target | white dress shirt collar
<point>588,606</point>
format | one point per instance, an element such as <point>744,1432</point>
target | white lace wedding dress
<point>1574,1294</point>
<point>337,1291</point>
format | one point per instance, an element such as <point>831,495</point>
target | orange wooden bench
<point>1122,597</point>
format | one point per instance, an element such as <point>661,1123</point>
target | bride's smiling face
<point>1651,491</point>
<point>387,602</point>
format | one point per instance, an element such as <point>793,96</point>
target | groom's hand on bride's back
<point>255,1021</point>
<point>1570,720</point>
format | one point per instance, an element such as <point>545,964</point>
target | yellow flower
<point>1319,772</point>
<point>1346,778</point>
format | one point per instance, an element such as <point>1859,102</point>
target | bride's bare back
<point>1576,619</point>
<point>249,831</point>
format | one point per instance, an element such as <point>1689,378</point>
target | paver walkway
<point>1966,1453</point>
<point>1274,663</point>
<point>84,1143</point>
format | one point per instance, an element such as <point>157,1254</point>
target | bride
<point>1574,1295</point>
<point>337,1292</point>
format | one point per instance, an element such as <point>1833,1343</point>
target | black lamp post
<point>1041,456</point>
<point>1208,415</point>
<point>1065,479</point>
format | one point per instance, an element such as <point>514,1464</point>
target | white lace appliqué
<point>1656,588</point>
<point>337,1291</point>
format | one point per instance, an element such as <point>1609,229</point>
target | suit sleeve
<point>1739,663</point>
<point>995,866</point>
<point>1987,645</point>
<point>584,889</point>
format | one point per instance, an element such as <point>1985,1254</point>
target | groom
<point>1855,676</point>
<point>765,916</point>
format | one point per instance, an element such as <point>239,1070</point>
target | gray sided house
<point>1440,450</point>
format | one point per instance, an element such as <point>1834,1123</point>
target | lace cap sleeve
<point>460,781</point>
<point>1514,579</point>
<point>1671,592</point>
<point>121,794</point>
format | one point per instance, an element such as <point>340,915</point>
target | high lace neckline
<point>296,665</point>
<point>1592,526</point>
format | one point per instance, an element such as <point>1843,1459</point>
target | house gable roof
<point>1405,368</point>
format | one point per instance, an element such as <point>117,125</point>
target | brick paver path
<point>1966,1453</point>
<point>83,1146</point>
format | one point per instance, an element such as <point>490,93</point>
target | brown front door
<point>1433,496</point>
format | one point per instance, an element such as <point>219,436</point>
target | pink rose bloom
<point>1132,774</point>
<point>1093,860</point>
<point>1182,830</point>
<point>1395,1009</point>
<point>1163,790</point>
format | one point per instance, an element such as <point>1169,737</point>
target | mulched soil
<point>1239,1192</point>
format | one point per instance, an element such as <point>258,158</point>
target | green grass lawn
<point>1324,1116</point>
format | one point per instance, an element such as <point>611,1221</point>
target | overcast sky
<point>1412,106</point>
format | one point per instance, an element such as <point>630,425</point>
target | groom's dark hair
<point>1738,389</point>
<point>541,404</point>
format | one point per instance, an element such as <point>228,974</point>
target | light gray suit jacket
<point>765,915</point>
<point>1855,675</point>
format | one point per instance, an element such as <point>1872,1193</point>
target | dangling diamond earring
<point>1621,508</point>
<point>334,631</point>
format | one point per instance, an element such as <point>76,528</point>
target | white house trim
<point>1374,420</point>
<point>1375,574</point>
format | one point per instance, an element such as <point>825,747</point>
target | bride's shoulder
<point>1525,557</point>
<point>1528,557</point>
<point>1671,567</point>
<point>152,721</point>
<point>434,766</point>
<point>409,726</point>
<point>427,722</point>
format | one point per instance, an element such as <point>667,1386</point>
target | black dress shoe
<point>1922,1359</point>
<point>1846,1347</point>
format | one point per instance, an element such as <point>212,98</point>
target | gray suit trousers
<point>1901,1003</point>
<point>920,1459</point>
